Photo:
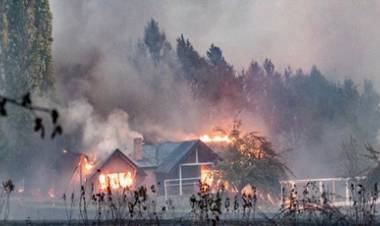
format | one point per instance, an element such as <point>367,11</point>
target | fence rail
<point>193,181</point>
<point>325,182</point>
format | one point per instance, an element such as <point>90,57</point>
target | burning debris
<point>207,175</point>
<point>248,190</point>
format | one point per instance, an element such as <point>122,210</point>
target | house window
<point>115,180</point>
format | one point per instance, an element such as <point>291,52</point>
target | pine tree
<point>192,63</point>
<point>155,40</point>
<point>215,56</point>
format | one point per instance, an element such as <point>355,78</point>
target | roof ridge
<point>173,159</point>
<point>173,142</point>
<point>161,153</point>
<point>116,151</point>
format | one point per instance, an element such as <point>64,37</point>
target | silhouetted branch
<point>26,103</point>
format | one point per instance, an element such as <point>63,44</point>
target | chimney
<point>137,148</point>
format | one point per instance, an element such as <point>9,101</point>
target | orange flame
<point>215,139</point>
<point>247,190</point>
<point>207,176</point>
<point>115,180</point>
<point>88,165</point>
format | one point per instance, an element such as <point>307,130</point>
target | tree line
<point>298,108</point>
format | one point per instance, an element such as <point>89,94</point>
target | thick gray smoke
<point>95,44</point>
<point>337,35</point>
<point>99,72</point>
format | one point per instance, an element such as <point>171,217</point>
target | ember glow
<point>86,165</point>
<point>207,176</point>
<point>215,139</point>
<point>213,179</point>
<point>247,190</point>
<point>51,193</point>
<point>115,180</point>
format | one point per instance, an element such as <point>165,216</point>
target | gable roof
<point>119,154</point>
<point>176,156</point>
<point>165,156</point>
<point>154,154</point>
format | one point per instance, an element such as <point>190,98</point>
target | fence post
<point>180,180</point>
<point>347,193</point>
<point>165,190</point>
<point>333,191</point>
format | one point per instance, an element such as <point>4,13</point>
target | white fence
<point>337,187</point>
<point>176,186</point>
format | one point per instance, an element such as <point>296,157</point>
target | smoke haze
<point>336,35</point>
<point>109,98</point>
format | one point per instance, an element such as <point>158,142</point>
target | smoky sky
<point>340,37</point>
<point>103,88</point>
<point>94,42</point>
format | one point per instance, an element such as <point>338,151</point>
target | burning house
<point>175,167</point>
<point>117,171</point>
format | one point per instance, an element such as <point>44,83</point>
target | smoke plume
<point>112,95</point>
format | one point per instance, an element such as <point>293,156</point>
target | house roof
<point>119,154</point>
<point>165,156</point>
<point>176,156</point>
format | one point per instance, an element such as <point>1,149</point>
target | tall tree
<point>26,38</point>
<point>189,58</point>
<point>155,40</point>
<point>25,66</point>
